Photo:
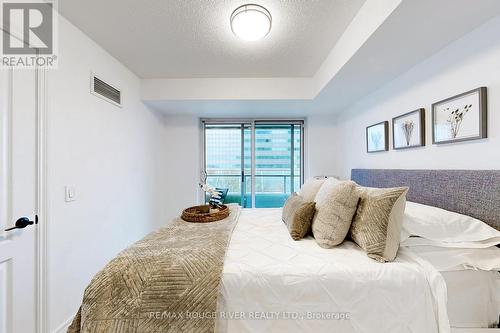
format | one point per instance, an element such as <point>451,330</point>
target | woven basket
<point>203,214</point>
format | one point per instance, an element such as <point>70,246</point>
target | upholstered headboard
<point>471,192</point>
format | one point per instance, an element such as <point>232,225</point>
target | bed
<point>267,272</point>
<point>269,283</point>
<point>473,297</point>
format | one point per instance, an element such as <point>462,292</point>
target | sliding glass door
<point>259,162</point>
<point>277,163</point>
<point>228,160</point>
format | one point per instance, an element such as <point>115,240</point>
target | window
<point>260,162</point>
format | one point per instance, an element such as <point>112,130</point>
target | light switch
<point>70,193</point>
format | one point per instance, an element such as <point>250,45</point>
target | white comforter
<point>273,284</point>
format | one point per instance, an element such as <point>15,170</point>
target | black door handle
<point>23,222</point>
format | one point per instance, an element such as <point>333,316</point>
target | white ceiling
<point>408,35</point>
<point>193,39</point>
<point>321,56</point>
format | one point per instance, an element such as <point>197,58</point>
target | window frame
<point>252,122</point>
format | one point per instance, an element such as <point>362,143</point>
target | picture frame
<point>408,130</point>
<point>460,118</point>
<point>377,137</point>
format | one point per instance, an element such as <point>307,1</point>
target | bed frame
<point>471,192</point>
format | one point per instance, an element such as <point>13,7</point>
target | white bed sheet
<point>473,298</point>
<point>268,275</point>
<point>446,259</point>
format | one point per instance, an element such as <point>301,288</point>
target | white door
<point>18,179</point>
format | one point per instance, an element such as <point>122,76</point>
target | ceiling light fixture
<point>251,22</point>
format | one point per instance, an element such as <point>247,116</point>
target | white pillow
<point>419,241</point>
<point>439,227</point>
<point>455,259</point>
<point>310,188</point>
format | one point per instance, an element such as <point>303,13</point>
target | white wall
<point>115,157</point>
<point>321,146</point>
<point>182,170</point>
<point>468,63</point>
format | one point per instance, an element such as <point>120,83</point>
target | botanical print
<point>457,119</point>
<point>408,129</point>
<point>376,138</point>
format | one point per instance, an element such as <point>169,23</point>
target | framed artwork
<point>460,118</point>
<point>408,130</point>
<point>377,137</point>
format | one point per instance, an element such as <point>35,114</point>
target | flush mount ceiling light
<point>251,22</point>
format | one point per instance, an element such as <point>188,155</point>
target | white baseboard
<point>475,330</point>
<point>63,328</point>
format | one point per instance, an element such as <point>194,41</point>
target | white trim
<point>117,87</point>
<point>6,150</point>
<point>6,128</point>
<point>475,330</point>
<point>41,201</point>
<point>250,120</point>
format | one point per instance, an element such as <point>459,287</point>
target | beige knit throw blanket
<point>166,282</point>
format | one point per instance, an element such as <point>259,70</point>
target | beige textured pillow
<point>310,188</point>
<point>325,190</point>
<point>297,215</point>
<point>336,204</point>
<point>376,227</point>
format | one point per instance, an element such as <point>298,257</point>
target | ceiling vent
<point>104,90</point>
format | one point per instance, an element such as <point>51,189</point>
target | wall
<point>184,142</point>
<point>183,145</point>
<point>321,158</point>
<point>468,63</point>
<point>182,170</point>
<point>115,158</point>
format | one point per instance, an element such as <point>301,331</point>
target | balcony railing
<point>271,190</point>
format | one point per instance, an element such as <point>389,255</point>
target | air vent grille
<point>106,91</point>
